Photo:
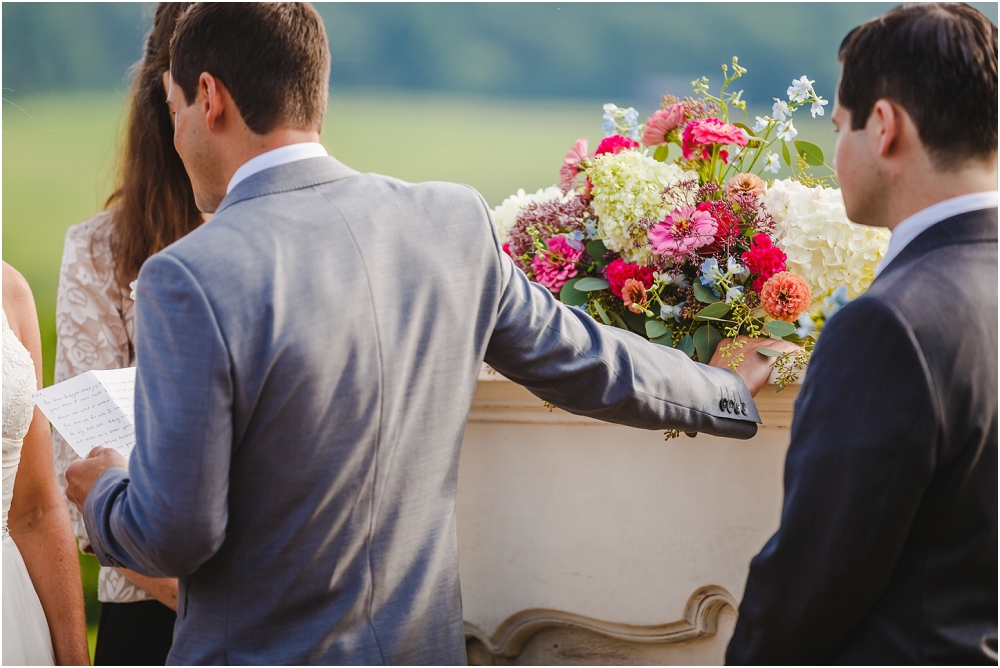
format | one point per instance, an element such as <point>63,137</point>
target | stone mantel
<point>582,542</point>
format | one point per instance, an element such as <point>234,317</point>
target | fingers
<point>742,356</point>
<point>96,452</point>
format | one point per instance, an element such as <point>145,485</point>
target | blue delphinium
<point>669,311</point>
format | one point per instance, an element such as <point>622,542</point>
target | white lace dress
<point>26,639</point>
<point>95,318</point>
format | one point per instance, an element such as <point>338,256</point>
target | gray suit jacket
<point>306,364</point>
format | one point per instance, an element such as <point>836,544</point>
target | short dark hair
<point>939,62</point>
<point>273,57</point>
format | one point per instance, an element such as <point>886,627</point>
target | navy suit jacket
<point>887,549</point>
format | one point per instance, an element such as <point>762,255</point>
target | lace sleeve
<point>94,319</point>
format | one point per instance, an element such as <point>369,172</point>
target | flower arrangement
<point>669,229</point>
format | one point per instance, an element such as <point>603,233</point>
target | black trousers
<point>134,634</point>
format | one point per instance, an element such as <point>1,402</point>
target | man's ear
<point>884,127</point>
<point>213,103</point>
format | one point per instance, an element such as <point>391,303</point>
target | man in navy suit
<point>887,549</point>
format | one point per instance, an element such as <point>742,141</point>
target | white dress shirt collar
<point>910,229</point>
<point>279,156</point>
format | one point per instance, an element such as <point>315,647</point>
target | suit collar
<point>290,176</point>
<point>972,227</point>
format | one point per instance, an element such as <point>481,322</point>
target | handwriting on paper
<point>93,409</point>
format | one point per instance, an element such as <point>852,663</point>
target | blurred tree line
<point>628,53</point>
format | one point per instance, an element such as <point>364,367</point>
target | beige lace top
<point>95,322</point>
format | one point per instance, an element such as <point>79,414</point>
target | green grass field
<point>58,165</point>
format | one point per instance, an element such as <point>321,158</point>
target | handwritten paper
<point>93,409</point>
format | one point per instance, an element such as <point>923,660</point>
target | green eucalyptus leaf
<point>655,329</point>
<point>706,340</point>
<point>666,339</point>
<point>618,320</point>
<point>813,154</point>
<point>591,284</point>
<point>661,153</point>
<point>570,295</point>
<point>713,311</point>
<point>767,352</point>
<point>636,322</point>
<point>785,154</point>
<point>686,345</point>
<point>703,293</point>
<point>745,128</point>
<point>597,250</point>
<point>601,312</point>
<point>779,328</point>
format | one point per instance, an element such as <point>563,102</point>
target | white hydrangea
<point>505,215</point>
<point>627,188</point>
<point>822,245</point>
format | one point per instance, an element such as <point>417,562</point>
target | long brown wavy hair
<point>153,205</point>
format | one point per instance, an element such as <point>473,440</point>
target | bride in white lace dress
<point>43,620</point>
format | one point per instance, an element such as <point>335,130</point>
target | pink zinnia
<point>661,122</point>
<point>615,144</point>
<point>699,136</point>
<point>684,230</point>
<point>554,268</point>
<point>763,259</point>
<point>572,163</point>
<point>785,296</point>
<point>619,271</point>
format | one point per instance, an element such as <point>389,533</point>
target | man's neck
<point>938,186</point>
<point>259,144</point>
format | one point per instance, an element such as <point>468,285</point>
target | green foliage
<point>703,293</point>
<point>812,154</point>
<point>785,155</point>
<point>597,250</point>
<point>617,320</point>
<point>570,295</point>
<point>655,329</point>
<point>666,339</point>
<point>706,339</point>
<point>686,345</point>
<point>714,311</point>
<point>602,313</point>
<point>779,329</point>
<point>635,321</point>
<point>591,284</point>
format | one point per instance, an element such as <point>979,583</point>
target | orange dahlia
<point>786,296</point>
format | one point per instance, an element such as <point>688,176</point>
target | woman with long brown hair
<point>152,206</point>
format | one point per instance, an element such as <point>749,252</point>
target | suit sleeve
<point>565,357</point>
<point>168,514</point>
<point>863,450</point>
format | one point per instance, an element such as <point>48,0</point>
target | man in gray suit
<point>306,363</point>
<point>887,550</point>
